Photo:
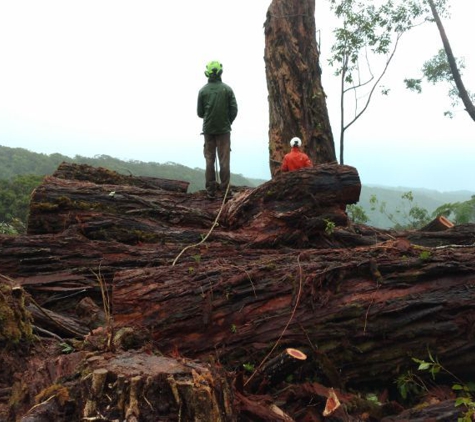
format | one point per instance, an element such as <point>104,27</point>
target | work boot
<point>211,188</point>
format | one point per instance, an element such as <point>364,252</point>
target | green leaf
<point>423,366</point>
<point>462,401</point>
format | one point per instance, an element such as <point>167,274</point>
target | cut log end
<point>440,223</point>
<point>332,403</point>
<point>296,354</point>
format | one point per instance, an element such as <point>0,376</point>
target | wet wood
<point>299,204</point>
<point>132,387</point>
<point>60,324</point>
<point>281,268</point>
<point>293,209</point>
<point>276,370</point>
<point>103,176</point>
<point>350,306</point>
<point>438,224</point>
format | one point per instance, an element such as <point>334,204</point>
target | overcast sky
<point>121,78</point>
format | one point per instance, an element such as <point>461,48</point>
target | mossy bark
<point>15,320</point>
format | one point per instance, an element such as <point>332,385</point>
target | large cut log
<point>457,236</point>
<point>103,176</point>
<point>296,207</point>
<point>383,305</point>
<point>293,209</point>
<point>58,204</point>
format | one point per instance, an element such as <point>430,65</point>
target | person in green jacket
<point>217,107</point>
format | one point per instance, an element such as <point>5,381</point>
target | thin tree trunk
<point>463,94</point>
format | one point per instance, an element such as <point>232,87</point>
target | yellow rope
<point>215,223</point>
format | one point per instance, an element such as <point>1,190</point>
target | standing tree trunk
<point>297,102</point>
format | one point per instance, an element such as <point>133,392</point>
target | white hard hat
<point>295,142</point>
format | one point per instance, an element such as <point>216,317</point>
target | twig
<point>48,333</point>
<point>286,326</point>
<point>69,329</point>
<point>454,246</point>
<point>215,223</point>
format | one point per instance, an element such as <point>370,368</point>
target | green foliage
<point>370,29</point>
<point>459,212</point>
<point>14,202</point>
<point>367,26</point>
<point>414,84</point>
<point>329,227</point>
<point>21,171</point>
<point>11,227</point>
<point>249,367</point>
<point>66,348</point>
<point>425,255</point>
<point>430,200</point>
<point>357,214</point>
<point>432,366</point>
<point>407,216</point>
<point>437,70</point>
<point>410,383</point>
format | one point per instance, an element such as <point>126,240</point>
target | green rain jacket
<point>217,107</point>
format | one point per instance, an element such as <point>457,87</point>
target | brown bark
<point>379,305</point>
<point>455,237</point>
<point>103,176</point>
<point>360,302</point>
<point>297,101</point>
<point>59,324</point>
<point>294,209</point>
<point>103,211</point>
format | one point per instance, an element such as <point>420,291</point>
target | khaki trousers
<point>222,145</point>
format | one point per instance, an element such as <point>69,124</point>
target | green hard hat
<point>214,67</point>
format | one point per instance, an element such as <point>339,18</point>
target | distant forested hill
<point>397,206</point>
<point>20,172</point>
<point>19,161</point>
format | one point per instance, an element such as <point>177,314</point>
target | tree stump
<point>132,387</point>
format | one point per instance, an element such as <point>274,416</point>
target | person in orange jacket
<point>295,159</point>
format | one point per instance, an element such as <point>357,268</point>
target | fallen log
<point>457,236</point>
<point>62,325</point>
<point>350,307</point>
<point>442,411</point>
<point>58,204</point>
<point>292,209</point>
<point>360,302</point>
<point>296,205</point>
<point>103,176</point>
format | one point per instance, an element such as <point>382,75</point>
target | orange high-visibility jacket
<point>295,160</point>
